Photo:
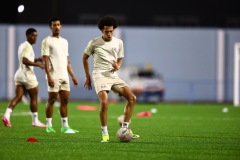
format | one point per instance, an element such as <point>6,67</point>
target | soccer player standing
<point>25,78</point>
<point>107,52</point>
<point>57,67</point>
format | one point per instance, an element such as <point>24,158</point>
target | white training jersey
<point>104,54</point>
<point>57,50</point>
<point>25,72</point>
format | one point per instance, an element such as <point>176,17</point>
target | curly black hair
<point>107,21</point>
<point>54,19</point>
<point>30,31</point>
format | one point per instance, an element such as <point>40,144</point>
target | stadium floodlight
<point>236,74</point>
<point>20,8</point>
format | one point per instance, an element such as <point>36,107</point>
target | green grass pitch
<point>177,131</point>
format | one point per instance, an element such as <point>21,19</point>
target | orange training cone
<point>144,114</point>
<point>32,140</point>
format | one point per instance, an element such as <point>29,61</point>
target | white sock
<point>125,124</point>
<point>49,122</point>
<point>34,117</point>
<point>104,130</point>
<point>65,122</point>
<point>8,113</point>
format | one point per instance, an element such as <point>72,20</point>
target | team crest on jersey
<point>103,86</point>
<point>114,50</point>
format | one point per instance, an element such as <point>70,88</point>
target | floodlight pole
<point>11,60</point>
<point>236,75</point>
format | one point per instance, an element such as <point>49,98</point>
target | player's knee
<point>104,103</point>
<point>64,101</point>
<point>132,99</point>
<point>103,108</point>
<point>52,100</point>
<point>33,96</point>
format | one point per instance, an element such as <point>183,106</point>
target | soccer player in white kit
<point>107,52</point>
<point>25,78</point>
<point>57,67</point>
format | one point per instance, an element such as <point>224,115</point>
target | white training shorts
<point>59,84</point>
<point>106,84</point>
<point>28,84</point>
<point>27,79</point>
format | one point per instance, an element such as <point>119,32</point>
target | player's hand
<point>51,82</point>
<point>75,81</point>
<point>40,59</point>
<point>88,83</point>
<point>115,67</point>
<point>41,65</point>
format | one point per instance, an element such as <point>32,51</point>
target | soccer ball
<point>124,134</point>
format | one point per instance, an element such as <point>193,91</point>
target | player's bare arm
<point>49,77</point>
<point>116,65</point>
<point>70,71</point>
<point>88,83</point>
<point>27,62</point>
<point>39,59</point>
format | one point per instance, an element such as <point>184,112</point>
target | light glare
<point>20,8</point>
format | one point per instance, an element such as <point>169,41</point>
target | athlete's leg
<point>131,100</point>
<point>19,91</point>
<point>128,110</point>
<point>33,94</point>
<point>18,96</point>
<point>64,96</point>
<point>103,100</point>
<point>52,97</point>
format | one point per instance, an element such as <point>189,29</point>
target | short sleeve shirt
<point>57,50</point>
<point>25,72</point>
<point>104,54</point>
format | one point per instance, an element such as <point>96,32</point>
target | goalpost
<point>236,74</point>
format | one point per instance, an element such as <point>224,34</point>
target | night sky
<point>193,13</point>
